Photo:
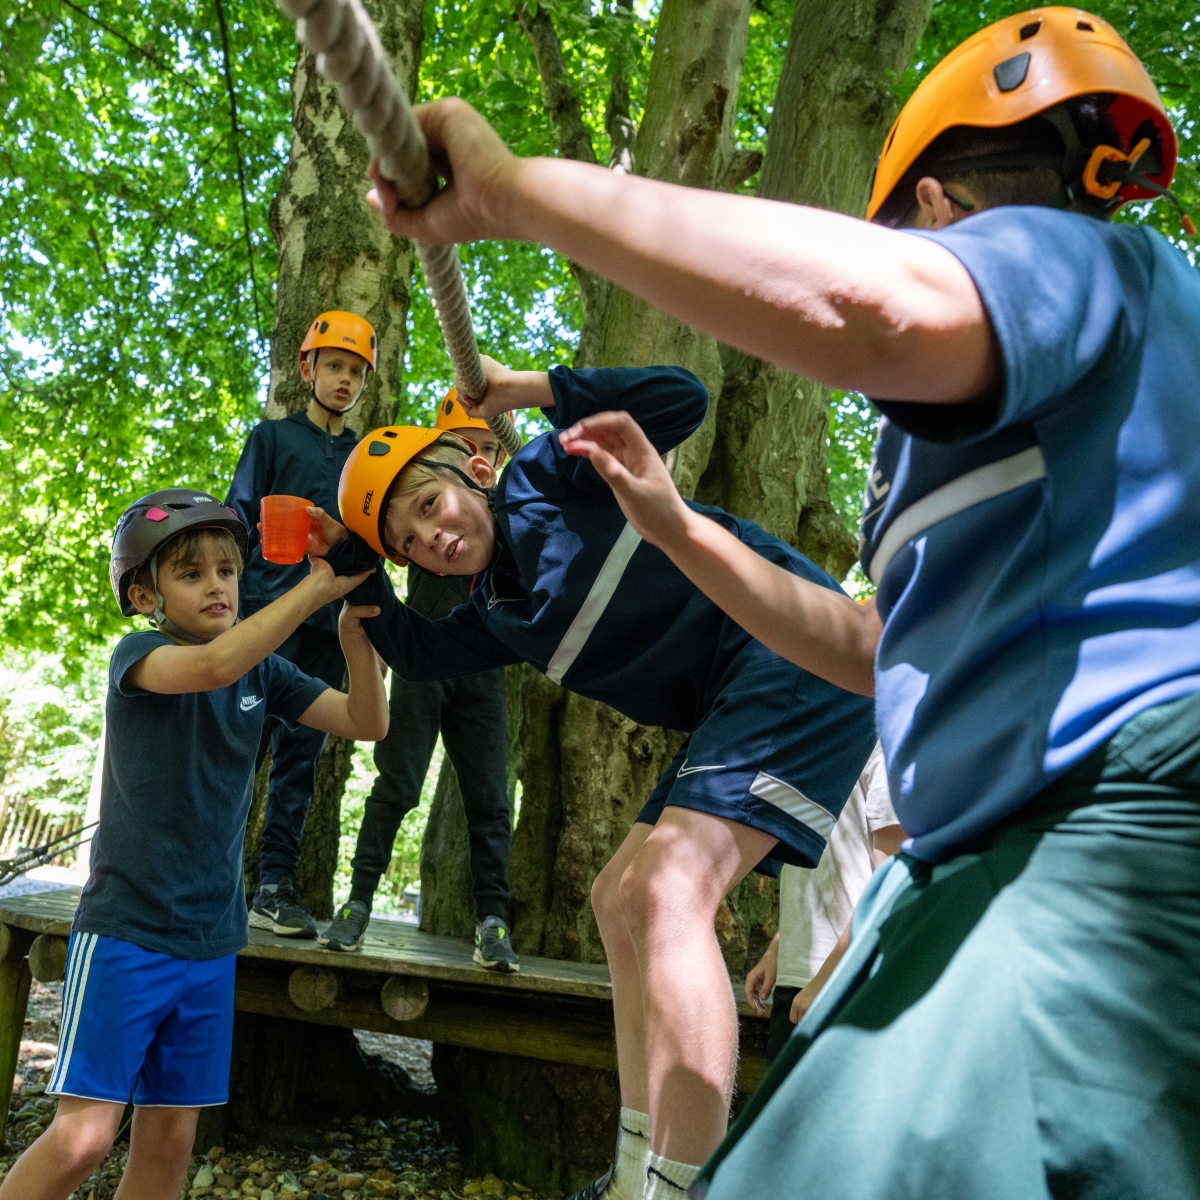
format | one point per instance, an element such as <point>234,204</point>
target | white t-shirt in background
<point>816,906</point>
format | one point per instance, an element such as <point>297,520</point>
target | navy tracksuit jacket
<point>575,592</point>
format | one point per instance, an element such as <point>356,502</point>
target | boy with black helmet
<point>300,455</point>
<point>471,716</point>
<point>148,996</point>
<point>1018,1013</point>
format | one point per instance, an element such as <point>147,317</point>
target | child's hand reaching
<point>616,446</point>
<point>761,979</point>
<point>324,534</point>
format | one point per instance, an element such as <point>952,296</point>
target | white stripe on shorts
<point>793,802</point>
<point>77,977</point>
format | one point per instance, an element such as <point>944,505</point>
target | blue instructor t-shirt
<point>1038,563</point>
<point>166,861</point>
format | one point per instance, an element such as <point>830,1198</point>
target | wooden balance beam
<point>402,981</point>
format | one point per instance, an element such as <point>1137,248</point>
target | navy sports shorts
<point>779,750</point>
<point>142,1026</point>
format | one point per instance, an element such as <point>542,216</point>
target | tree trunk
<point>832,110</point>
<point>333,254</point>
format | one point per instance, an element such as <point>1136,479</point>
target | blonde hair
<point>449,449</point>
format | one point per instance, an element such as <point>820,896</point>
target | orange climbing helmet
<point>1025,66</point>
<point>452,415</point>
<point>343,331</point>
<point>370,474</point>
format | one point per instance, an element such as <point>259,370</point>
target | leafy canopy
<point>137,268</point>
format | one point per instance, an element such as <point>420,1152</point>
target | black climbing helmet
<point>147,525</point>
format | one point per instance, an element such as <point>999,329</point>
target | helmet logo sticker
<point>156,514</point>
<point>203,500</point>
<point>367,502</point>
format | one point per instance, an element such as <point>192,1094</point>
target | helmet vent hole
<point>1027,31</point>
<point>390,433</point>
<point>1085,25</point>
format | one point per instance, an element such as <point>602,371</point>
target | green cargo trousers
<point>1019,1023</point>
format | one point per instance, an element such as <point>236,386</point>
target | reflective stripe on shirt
<point>592,609</point>
<point>984,483</point>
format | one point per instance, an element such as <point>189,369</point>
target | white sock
<point>633,1144</point>
<point>667,1179</point>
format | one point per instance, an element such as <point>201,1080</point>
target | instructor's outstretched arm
<point>821,630</point>
<point>847,303</point>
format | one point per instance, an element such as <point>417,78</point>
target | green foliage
<point>49,730</point>
<point>137,266</point>
<point>133,322</point>
<point>404,870</point>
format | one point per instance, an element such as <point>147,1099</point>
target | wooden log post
<point>48,958</point>
<point>404,998</point>
<point>14,998</point>
<point>312,988</point>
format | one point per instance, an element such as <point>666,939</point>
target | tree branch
<point>147,54</point>
<point>241,169</point>
<point>558,96</point>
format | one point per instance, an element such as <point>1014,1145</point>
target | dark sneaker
<point>493,946</point>
<point>277,908</point>
<point>348,927</point>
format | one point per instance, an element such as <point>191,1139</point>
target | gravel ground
<point>359,1159</point>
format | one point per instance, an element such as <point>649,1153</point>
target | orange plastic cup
<point>285,527</point>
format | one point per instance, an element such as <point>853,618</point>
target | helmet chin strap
<point>160,618</point>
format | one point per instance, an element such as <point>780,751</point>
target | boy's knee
<point>81,1144</point>
<point>606,900</point>
<point>659,884</point>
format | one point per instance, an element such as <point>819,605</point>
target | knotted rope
<point>350,55</point>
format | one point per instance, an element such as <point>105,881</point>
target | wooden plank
<point>577,1039</point>
<point>14,998</point>
<point>390,948</point>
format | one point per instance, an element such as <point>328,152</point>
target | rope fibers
<point>349,54</point>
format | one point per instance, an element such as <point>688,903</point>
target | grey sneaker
<point>348,927</point>
<point>493,946</point>
<point>277,908</point>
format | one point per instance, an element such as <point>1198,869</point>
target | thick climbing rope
<point>349,54</point>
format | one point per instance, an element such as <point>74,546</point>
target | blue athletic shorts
<point>142,1026</point>
<point>779,751</point>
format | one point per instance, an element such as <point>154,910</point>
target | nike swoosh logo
<point>686,770</point>
<point>249,702</point>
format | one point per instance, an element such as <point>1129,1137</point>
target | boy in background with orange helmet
<point>1018,1012</point>
<point>471,714</point>
<point>300,455</point>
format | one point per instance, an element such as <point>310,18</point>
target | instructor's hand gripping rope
<point>349,54</point>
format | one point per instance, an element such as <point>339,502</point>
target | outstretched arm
<point>847,303</point>
<point>819,629</point>
<point>174,670</point>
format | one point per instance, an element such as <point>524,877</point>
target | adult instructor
<point>1020,1010</point>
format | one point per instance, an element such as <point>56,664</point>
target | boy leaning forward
<point>569,586</point>
<point>148,996</point>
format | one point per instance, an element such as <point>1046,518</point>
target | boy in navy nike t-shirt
<point>772,751</point>
<point>148,995</point>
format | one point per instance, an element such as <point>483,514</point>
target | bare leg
<point>670,893</point>
<point>160,1148</point>
<point>623,967</point>
<point>79,1137</point>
